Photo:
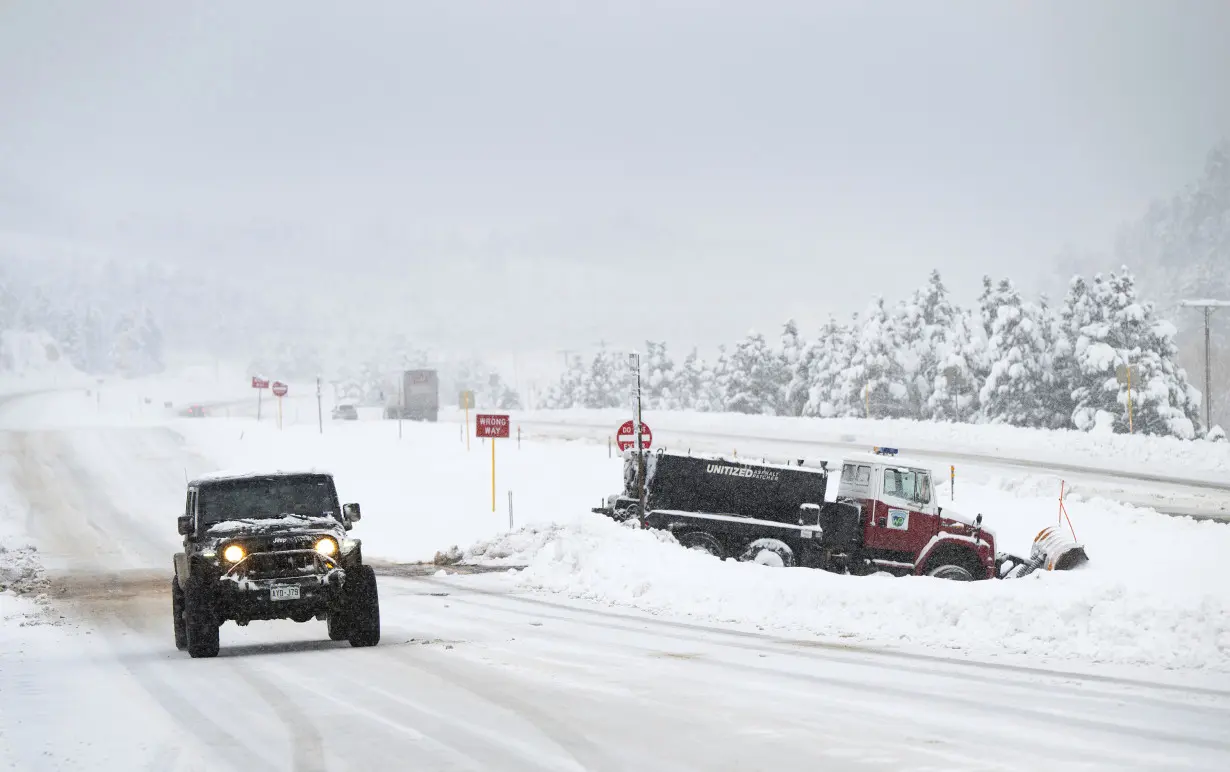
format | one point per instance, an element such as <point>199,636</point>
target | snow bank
<point>1151,595</point>
<point>1145,454</point>
<point>23,583</point>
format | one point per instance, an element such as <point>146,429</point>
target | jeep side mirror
<point>184,524</point>
<point>352,512</point>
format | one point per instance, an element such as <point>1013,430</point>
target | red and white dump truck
<point>884,517</point>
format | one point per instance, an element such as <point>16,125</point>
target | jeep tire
<point>362,618</point>
<point>177,616</point>
<point>199,618</point>
<point>336,624</point>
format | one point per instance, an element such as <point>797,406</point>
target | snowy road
<point>470,677</point>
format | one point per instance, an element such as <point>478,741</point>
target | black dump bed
<point>720,486</point>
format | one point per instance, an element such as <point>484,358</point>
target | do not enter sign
<point>626,436</point>
<point>280,389</point>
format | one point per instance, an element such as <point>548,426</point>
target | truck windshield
<point>909,484</point>
<point>266,497</point>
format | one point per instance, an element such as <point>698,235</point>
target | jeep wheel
<point>699,540</point>
<point>336,623</point>
<point>953,572</point>
<point>362,607</point>
<point>768,552</point>
<point>199,618</point>
<point>177,616</point>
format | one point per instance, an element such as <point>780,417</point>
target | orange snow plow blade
<point>1054,550</point>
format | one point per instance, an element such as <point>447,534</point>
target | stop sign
<point>626,436</point>
<point>280,389</point>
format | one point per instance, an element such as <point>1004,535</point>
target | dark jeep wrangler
<point>270,546</point>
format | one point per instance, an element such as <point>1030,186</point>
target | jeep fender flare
<point>180,563</point>
<point>951,549</point>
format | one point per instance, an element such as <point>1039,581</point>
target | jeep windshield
<point>257,498</point>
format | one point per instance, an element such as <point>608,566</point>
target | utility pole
<point>635,361</point>
<point>320,414</point>
<point>1208,306</point>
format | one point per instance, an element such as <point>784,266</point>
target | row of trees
<point>1008,361</point>
<point>98,338</point>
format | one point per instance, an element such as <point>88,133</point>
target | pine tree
<point>820,367</point>
<point>754,383</point>
<point>874,382</point>
<point>718,382</point>
<point>690,384</point>
<point>1018,377</point>
<point>955,386</point>
<point>659,389</point>
<point>791,351</point>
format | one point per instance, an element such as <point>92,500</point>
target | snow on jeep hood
<point>257,525</point>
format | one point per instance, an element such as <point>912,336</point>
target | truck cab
<point>904,528</point>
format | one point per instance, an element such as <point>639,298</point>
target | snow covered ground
<point>1122,453</point>
<point>594,655</point>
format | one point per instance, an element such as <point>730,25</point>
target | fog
<point>542,175</point>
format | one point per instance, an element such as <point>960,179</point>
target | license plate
<point>287,592</point>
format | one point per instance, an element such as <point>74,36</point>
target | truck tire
<point>705,542</point>
<point>177,616</point>
<point>200,621</point>
<point>336,624</point>
<point>951,571</point>
<point>768,552</point>
<point>362,607</point>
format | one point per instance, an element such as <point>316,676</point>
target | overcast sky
<point>619,170</point>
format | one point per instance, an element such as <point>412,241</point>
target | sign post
<point>279,390</point>
<point>260,384</point>
<point>467,402</point>
<point>320,416</point>
<point>634,360</point>
<point>493,427</point>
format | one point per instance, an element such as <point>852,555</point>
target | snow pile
<point>23,583</point>
<point>1150,595</point>
<point>1119,452</point>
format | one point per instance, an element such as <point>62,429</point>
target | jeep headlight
<point>326,546</point>
<point>233,553</point>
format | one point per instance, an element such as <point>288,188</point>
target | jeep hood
<point>286,524</point>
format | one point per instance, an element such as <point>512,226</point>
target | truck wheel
<point>768,552</point>
<point>177,616</point>
<point>699,540</point>
<point>336,623</point>
<point>362,607</point>
<point>953,572</point>
<point>199,618</point>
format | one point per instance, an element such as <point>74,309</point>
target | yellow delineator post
<point>1124,375</point>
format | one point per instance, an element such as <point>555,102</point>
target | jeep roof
<point>213,477</point>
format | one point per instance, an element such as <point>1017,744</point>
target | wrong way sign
<point>626,436</point>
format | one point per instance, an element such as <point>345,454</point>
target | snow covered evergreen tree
<point>754,384</point>
<point>691,385</point>
<point>792,347</point>
<point>960,355</point>
<point>825,361</point>
<point>1019,374</point>
<point>874,382</point>
<point>658,386</point>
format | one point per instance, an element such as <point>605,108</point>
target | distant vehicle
<point>196,411</point>
<point>345,413</point>
<point>885,518</point>
<point>420,397</point>
<point>270,546</point>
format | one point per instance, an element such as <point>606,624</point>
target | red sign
<point>626,436</point>
<point>280,389</point>
<point>492,426</point>
<point>259,383</point>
